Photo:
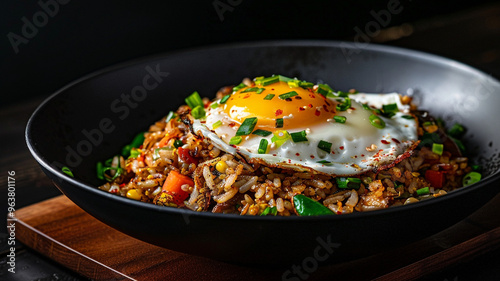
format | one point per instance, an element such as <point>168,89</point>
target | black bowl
<point>92,118</point>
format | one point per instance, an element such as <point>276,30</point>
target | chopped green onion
<point>247,126</point>
<point>306,85</point>
<point>262,133</point>
<point>437,148</point>
<point>253,89</point>
<point>299,136</point>
<point>366,106</point>
<point>284,78</point>
<point>324,89</point>
<point>260,90</point>
<point>456,131</point>
<point>342,94</point>
<point>288,95</point>
<point>178,143</point>
<point>324,162</point>
<point>224,99</point>
<point>235,140</point>
<point>134,153</point>
<point>339,119</point>
<point>279,123</point>
<point>270,80</point>
<point>217,124</point>
<point>390,109</point>
<point>348,182</point>
<point>280,137</point>
<point>194,100</point>
<point>344,105</point>
<point>258,80</point>
<point>269,97</point>
<point>470,178</point>
<point>239,87</point>
<point>408,117</point>
<point>170,116</point>
<point>67,171</point>
<point>136,142</point>
<point>423,191</point>
<point>325,146</point>
<point>214,105</point>
<point>293,83</point>
<point>376,121</point>
<point>270,211</point>
<point>262,146</point>
<point>198,112</point>
<point>100,170</point>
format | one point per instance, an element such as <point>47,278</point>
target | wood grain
<point>63,232</point>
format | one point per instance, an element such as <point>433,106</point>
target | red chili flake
<point>274,154</point>
<point>246,96</point>
<point>325,108</point>
<point>297,154</point>
<point>232,124</point>
<point>122,185</point>
<point>333,152</point>
<point>312,156</point>
<point>312,96</point>
<point>317,112</point>
<point>353,108</point>
<point>327,103</point>
<point>289,160</point>
<point>232,145</point>
<point>341,148</point>
<point>362,155</point>
<point>288,99</point>
<point>396,140</point>
<point>355,156</point>
<point>278,112</point>
<point>310,105</point>
<point>298,97</point>
<point>384,142</point>
<point>301,109</point>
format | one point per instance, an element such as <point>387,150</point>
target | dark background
<point>84,36</point>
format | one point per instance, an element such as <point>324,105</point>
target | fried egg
<point>292,124</point>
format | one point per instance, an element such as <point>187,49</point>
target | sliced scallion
<point>194,100</point>
<point>262,133</point>
<point>224,99</point>
<point>280,137</point>
<point>288,95</point>
<point>325,146</point>
<point>262,146</point>
<point>423,191</point>
<point>269,97</point>
<point>376,121</point>
<point>239,87</point>
<point>217,124</point>
<point>260,90</point>
<point>247,126</point>
<point>299,136</point>
<point>345,105</point>
<point>67,171</point>
<point>214,105</point>
<point>178,143</point>
<point>270,80</point>
<point>306,85</point>
<point>470,178</point>
<point>456,131</point>
<point>339,119</point>
<point>390,109</point>
<point>293,83</point>
<point>279,123</point>
<point>325,162</point>
<point>407,117</point>
<point>235,140</point>
<point>253,89</point>
<point>198,112</point>
<point>324,89</point>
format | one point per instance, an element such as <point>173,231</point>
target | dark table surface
<point>471,36</point>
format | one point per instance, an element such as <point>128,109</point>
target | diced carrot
<point>173,184</point>
<point>435,178</point>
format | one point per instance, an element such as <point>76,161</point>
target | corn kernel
<point>134,194</point>
<point>221,166</point>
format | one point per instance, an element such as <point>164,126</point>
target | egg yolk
<point>299,107</point>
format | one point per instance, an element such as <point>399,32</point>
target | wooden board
<point>63,232</point>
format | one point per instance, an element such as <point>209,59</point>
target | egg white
<point>357,146</point>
